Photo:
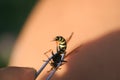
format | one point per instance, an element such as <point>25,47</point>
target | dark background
<point>13,14</point>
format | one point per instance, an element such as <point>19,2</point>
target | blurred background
<point>96,25</point>
<point>13,14</point>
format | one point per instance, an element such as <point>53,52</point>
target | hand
<point>93,24</point>
<point>17,73</point>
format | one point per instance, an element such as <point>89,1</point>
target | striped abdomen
<point>62,43</point>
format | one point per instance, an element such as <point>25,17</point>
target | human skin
<point>90,20</point>
<point>17,73</point>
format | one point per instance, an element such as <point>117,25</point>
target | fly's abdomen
<point>62,43</point>
<point>62,47</point>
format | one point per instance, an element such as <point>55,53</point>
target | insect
<point>60,49</point>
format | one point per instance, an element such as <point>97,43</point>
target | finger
<point>17,73</point>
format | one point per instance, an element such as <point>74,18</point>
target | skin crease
<point>90,20</point>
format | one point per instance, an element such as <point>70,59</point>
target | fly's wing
<point>69,37</point>
<point>67,40</point>
<point>71,53</point>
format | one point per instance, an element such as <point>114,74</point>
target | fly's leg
<point>46,54</point>
<point>50,70</point>
<point>57,49</point>
<point>52,53</point>
<point>63,61</point>
<point>48,51</point>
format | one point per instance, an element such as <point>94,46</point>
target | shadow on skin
<point>95,60</point>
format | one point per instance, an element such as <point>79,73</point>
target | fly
<point>60,49</point>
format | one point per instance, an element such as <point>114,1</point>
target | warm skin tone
<point>17,73</point>
<point>90,20</point>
